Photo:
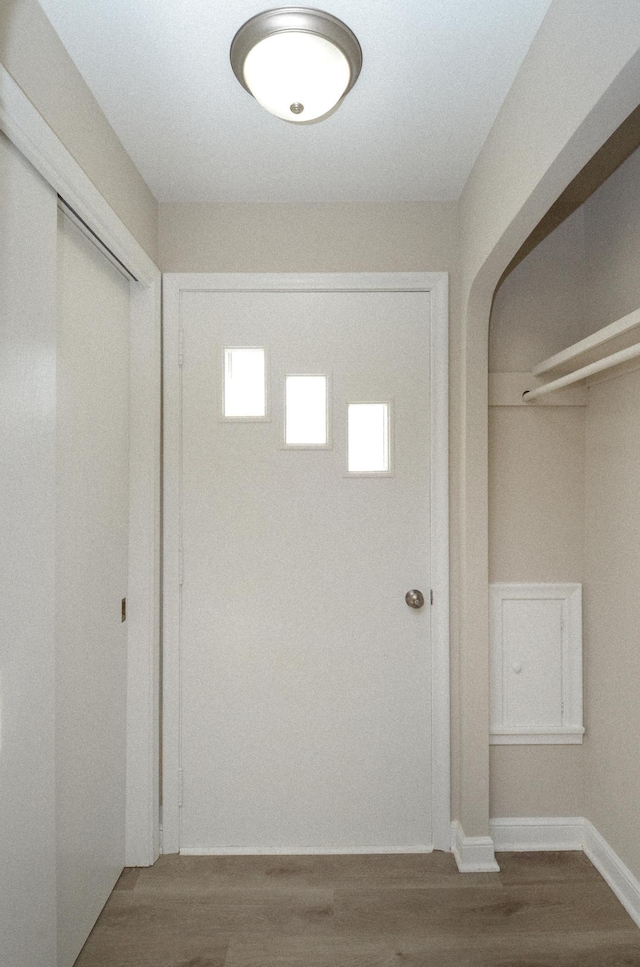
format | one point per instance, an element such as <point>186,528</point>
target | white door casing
<point>191,290</point>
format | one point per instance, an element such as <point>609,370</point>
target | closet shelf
<point>598,339</point>
<point>620,336</point>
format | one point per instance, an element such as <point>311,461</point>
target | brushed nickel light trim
<point>296,20</point>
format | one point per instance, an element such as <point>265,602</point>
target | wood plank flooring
<point>541,910</point>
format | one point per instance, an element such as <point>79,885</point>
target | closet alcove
<point>564,481</point>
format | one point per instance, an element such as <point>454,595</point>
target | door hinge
<point>180,565</point>
<point>431,596</point>
<point>180,787</point>
<point>180,346</point>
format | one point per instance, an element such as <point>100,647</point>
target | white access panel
<point>536,663</point>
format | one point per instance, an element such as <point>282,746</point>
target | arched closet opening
<point>564,510</point>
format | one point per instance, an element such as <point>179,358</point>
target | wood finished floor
<point>541,910</point>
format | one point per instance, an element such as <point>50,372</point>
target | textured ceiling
<point>434,76</point>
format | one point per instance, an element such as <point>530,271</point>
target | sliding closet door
<point>91,580</point>
<point>27,500</point>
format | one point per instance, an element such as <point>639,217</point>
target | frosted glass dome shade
<point>297,76</point>
<point>298,62</point>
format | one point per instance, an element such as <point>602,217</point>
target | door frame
<point>25,127</point>
<point>436,284</point>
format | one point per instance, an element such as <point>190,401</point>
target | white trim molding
<point>301,850</point>
<point>530,834</point>
<point>567,735</point>
<point>611,868</point>
<point>29,132</point>
<point>544,833</point>
<point>32,136</point>
<point>436,284</point>
<point>473,854</point>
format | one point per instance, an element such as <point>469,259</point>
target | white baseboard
<point>524,834</point>
<point>611,868</point>
<point>476,854</point>
<point>299,850</point>
<point>473,854</point>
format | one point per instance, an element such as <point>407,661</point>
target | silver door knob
<point>415,599</point>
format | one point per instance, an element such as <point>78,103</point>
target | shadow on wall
<point>9,13</point>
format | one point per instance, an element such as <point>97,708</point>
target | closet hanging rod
<point>606,363</point>
<point>590,343</point>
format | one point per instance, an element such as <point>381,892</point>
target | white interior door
<point>305,679</point>
<point>92,530</point>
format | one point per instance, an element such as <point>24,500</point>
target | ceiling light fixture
<point>296,61</point>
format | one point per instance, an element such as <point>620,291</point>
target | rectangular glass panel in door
<point>244,395</point>
<point>306,418</point>
<point>305,678</point>
<point>368,437</point>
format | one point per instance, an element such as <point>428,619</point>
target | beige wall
<point>359,237</point>
<point>539,309</point>
<point>536,489</point>
<point>612,532</point>
<point>33,54</point>
<point>612,614</point>
<point>536,493</point>
<point>537,780</point>
<point>612,246</point>
<point>513,182</point>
